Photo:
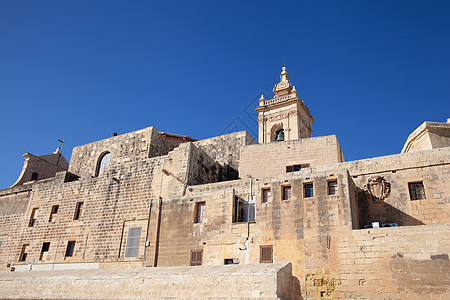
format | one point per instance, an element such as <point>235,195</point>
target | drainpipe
<point>148,227</point>
<point>158,228</point>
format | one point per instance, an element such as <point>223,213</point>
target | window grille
<point>332,187</point>
<point>416,191</point>
<point>133,241</point>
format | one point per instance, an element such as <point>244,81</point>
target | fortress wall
<point>114,202</point>
<point>408,262</point>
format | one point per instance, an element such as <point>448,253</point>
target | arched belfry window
<point>279,135</point>
<point>103,162</point>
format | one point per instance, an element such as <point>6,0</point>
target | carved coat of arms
<point>377,188</point>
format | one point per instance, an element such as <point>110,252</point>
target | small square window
<point>199,212</point>
<point>332,187</point>
<point>266,195</point>
<point>416,190</point>
<point>34,176</point>
<point>266,254</point>
<point>70,248</point>
<point>228,261</point>
<point>309,190</point>
<point>286,193</point>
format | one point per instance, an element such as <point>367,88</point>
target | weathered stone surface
<point>263,281</point>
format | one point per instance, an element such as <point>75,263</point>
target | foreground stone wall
<point>265,281</point>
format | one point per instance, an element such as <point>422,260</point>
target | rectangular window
<point>53,212</point>
<point>245,210</point>
<point>266,254</point>
<point>266,195</point>
<point>78,211</point>
<point>34,176</point>
<point>332,187</point>
<point>295,168</point>
<point>228,261</point>
<point>23,253</point>
<point>133,241</point>
<point>196,257</point>
<point>70,248</point>
<point>32,221</point>
<point>45,247</point>
<point>286,193</point>
<point>416,190</point>
<point>199,212</point>
<point>309,190</point>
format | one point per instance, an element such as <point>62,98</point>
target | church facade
<point>375,228</point>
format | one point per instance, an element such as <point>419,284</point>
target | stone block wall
<point>136,145</point>
<point>225,150</point>
<point>272,158</point>
<point>268,281</point>
<point>45,166</point>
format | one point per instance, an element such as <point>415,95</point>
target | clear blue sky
<point>370,71</point>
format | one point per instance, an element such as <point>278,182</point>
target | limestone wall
<point>272,158</point>
<point>266,281</point>
<point>140,144</point>
<point>44,166</point>
<point>225,150</point>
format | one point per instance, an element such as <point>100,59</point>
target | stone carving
<point>377,188</point>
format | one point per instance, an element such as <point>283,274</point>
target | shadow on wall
<point>381,212</point>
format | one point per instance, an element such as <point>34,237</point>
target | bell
<point>280,135</point>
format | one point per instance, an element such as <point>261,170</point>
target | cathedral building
<point>231,221</point>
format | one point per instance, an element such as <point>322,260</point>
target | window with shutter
<point>266,254</point>
<point>196,257</point>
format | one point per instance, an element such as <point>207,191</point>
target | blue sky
<point>370,71</point>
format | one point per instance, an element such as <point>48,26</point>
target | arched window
<point>103,162</point>
<point>279,135</point>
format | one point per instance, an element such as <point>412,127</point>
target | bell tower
<point>284,117</point>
